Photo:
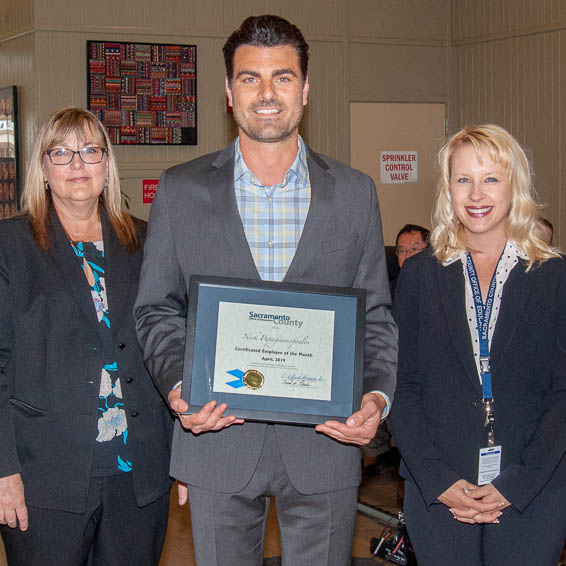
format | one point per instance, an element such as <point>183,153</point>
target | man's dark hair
<point>408,228</point>
<point>548,224</point>
<point>266,31</point>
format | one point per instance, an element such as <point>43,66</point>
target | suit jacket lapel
<point>117,274</point>
<point>69,267</point>
<point>514,300</point>
<point>221,187</point>
<point>323,189</point>
<point>452,292</point>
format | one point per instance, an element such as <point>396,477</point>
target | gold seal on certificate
<point>253,379</point>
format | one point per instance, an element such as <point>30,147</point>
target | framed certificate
<point>275,352</point>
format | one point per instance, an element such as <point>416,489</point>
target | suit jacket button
<point>122,346</point>
<point>129,379</point>
<point>134,414</point>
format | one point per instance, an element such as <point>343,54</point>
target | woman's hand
<point>489,495</point>
<point>472,504</point>
<point>12,502</point>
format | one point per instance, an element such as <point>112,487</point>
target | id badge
<point>489,464</point>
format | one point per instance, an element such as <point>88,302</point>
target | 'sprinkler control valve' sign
<point>399,167</point>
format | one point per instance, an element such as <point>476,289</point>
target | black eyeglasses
<point>89,155</point>
<point>409,251</point>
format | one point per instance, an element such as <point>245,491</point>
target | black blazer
<point>438,416</point>
<point>50,363</point>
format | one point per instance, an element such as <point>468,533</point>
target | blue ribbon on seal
<point>239,382</point>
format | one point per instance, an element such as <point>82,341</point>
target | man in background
<point>547,230</point>
<point>411,240</point>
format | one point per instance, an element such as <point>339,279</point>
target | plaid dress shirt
<point>273,217</point>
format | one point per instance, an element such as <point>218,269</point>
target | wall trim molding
<point>399,41</point>
<point>538,30</point>
<point>170,32</point>
<point>400,99</point>
<point>15,35</point>
<point>133,170</point>
<point>184,33</point>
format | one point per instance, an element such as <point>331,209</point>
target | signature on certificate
<point>300,380</point>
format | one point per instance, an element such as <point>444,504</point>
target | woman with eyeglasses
<point>84,434</point>
<point>480,407</point>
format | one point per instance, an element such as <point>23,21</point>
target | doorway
<point>409,135</point>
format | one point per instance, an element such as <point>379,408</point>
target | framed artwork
<point>144,93</point>
<point>9,148</point>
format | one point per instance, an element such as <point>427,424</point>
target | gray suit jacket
<point>195,228</point>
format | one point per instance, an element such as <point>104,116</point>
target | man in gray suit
<point>266,207</point>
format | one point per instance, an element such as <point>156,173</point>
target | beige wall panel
<point>16,68</point>
<point>397,73</point>
<point>236,11</point>
<point>518,83</point>
<point>324,125</point>
<point>325,17</point>
<point>560,202</point>
<point>313,17</point>
<point>16,16</point>
<point>158,17</point>
<point>473,19</point>
<point>404,19</point>
<point>218,17</point>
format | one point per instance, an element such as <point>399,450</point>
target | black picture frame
<point>9,153</point>
<point>348,306</point>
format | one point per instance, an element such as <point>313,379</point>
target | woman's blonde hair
<point>493,142</point>
<point>36,199</point>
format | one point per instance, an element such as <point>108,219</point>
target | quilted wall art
<point>144,93</point>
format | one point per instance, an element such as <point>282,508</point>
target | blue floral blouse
<point>111,447</point>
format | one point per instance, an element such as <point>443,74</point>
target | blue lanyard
<point>483,316</point>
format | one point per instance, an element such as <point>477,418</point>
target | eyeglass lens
<point>408,251</point>
<point>63,156</point>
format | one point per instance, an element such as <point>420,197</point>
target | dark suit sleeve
<point>521,482</point>
<point>381,330</point>
<point>9,462</point>
<point>423,461</point>
<point>160,309</point>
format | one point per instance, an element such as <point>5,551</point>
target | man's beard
<point>267,132</point>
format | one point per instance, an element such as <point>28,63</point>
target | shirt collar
<point>511,249</point>
<point>298,170</point>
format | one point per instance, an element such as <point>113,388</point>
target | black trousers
<point>534,537</point>
<point>114,531</point>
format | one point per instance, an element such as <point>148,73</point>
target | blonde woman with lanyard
<point>480,405</point>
